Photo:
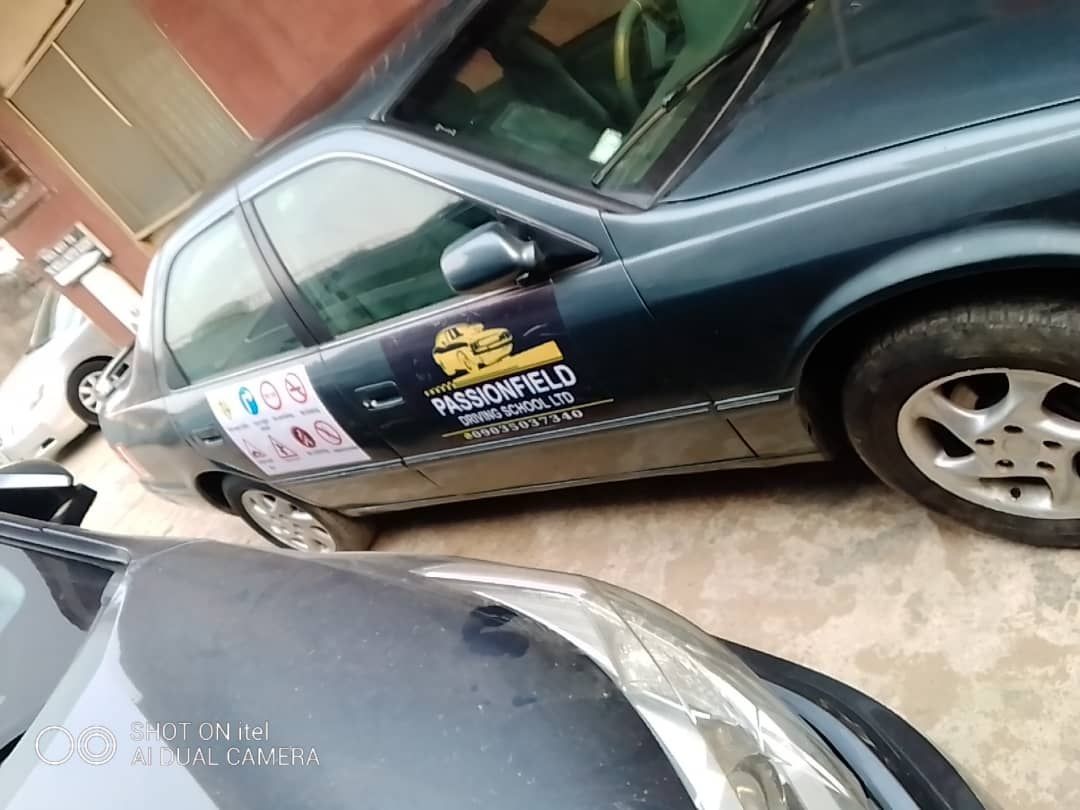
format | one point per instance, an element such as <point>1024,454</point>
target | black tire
<point>345,533</point>
<point>1040,334</point>
<point>77,376</point>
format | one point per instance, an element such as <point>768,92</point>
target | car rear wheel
<point>81,390</point>
<point>975,411</point>
<point>289,523</point>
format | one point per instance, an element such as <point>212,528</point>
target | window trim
<point>172,376</point>
<point>627,202</point>
<point>307,312</point>
<point>353,154</point>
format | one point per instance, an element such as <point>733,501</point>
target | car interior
<point>557,85</point>
<point>370,286</point>
<point>372,263</point>
<point>57,314</point>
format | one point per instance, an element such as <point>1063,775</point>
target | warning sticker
<point>278,421</point>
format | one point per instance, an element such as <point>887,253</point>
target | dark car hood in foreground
<point>861,76</point>
<point>410,694</point>
<point>370,680</point>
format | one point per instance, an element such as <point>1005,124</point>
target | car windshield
<point>55,315</point>
<point>47,604</point>
<point>555,86</point>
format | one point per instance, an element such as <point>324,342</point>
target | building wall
<point>20,298</point>
<point>23,22</point>
<point>274,63</point>
<point>67,204</point>
<point>270,63</point>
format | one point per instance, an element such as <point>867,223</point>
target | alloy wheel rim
<point>291,525</point>
<point>87,392</point>
<point>1003,438</point>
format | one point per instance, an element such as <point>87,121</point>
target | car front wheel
<point>975,411</point>
<point>288,523</point>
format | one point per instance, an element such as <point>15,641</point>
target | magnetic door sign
<point>496,371</point>
<point>278,421</point>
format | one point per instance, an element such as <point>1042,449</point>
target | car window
<point>67,316</point>
<point>219,314</point>
<point>363,242</point>
<point>55,316</point>
<point>47,605</point>
<point>43,321</point>
<point>555,86</point>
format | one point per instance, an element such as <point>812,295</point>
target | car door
<point>248,388</point>
<point>553,376</point>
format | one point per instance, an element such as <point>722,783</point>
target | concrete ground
<point>974,640</point>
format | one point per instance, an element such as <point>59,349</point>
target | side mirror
<point>487,257</point>
<point>43,490</point>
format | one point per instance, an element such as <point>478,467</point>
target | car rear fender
<point>987,249</point>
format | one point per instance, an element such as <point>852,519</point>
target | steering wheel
<point>632,12</point>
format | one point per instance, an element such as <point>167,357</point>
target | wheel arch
<point>97,358</point>
<point>210,485</point>
<point>1008,260</point>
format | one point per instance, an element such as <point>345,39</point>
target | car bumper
<point>43,434</point>
<point>897,765</point>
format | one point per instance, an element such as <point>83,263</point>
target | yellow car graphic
<point>466,347</point>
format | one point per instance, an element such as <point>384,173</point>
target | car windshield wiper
<point>763,26</point>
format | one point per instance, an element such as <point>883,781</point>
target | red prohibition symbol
<point>270,396</point>
<point>303,437</point>
<point>295,388</point>
<point>328,433</point>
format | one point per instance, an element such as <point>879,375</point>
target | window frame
<point>171,374</point>
<point>623,201</point>
<point>308,314</point>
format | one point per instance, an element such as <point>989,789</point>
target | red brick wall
<point>67,204</point>
<point>272,63</point>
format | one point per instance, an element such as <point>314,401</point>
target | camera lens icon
<point>95,745</point>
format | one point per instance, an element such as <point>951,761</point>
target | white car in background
<point>49,397</point>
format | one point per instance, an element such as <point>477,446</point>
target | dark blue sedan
<point>551,242</point>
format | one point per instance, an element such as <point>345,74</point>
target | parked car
<point>199,675</point>
<point>49,396</point>
<point>718,234</point>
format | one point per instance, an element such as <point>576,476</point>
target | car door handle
<point>208,437</point>
<point>380,396</point>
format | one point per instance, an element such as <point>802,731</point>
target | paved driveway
<point>975,640</point>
